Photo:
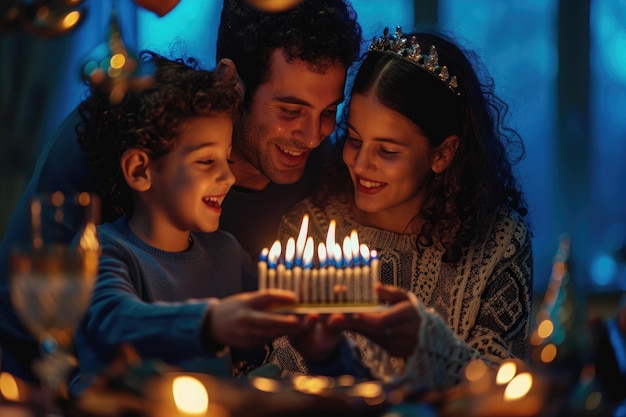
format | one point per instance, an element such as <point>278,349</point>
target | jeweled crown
<point>410,50</point>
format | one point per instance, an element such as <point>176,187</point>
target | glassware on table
<point>52,278</point>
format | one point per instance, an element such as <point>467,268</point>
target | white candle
<point>280,274</point>
<point>307,260</point>
<point>289,256</point>
<point>347,270</point>
<point>272,259</point>
<point>368,291</point>
<point>338,284</point>
<point>356,261</point>
<point>375,265</point>
<point>321,255</point>
<point>297,282</point>
<point>262,268</point>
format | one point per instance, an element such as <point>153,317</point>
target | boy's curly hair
<point>318,32</point>
<point>149,120</point>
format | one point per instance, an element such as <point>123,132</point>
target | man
<point>293,67</point>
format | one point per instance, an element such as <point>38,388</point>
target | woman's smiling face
<point>389,160</point>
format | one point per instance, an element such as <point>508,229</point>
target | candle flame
<point>354,239</point>
<point>321,254</point>
<point>365,253</point>
<point>274,254</point>
<point>347,250</point>
<point>308,252</point>
<point>304,227</point>
<point>337,255</point>
<point>330,237</point>
<point>264,253</point>
<point>290,252</point>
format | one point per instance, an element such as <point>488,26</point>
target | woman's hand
<point>243,320</point>
<point>317,341</point>
<point>394,329</point>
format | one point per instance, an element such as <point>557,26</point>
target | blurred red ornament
<point>160,7</point>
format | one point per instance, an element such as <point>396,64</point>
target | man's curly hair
<point>319,32</point>
<point>460,202</point>
<point>148,119</point>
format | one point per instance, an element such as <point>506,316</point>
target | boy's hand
<point>242,320</point>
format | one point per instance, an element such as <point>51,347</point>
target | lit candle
<point>262,268</point>
<point>290,251</point>
<point>347,271</point>
<point>307,260</point>
<point>302,239</point>
<point>321,255</point>
<point>375,265</point>
<point>357,273</point>
<point>272,260</point>
<point>338,287</point>
<point>368,291</point>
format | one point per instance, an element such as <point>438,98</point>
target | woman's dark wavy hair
<point>315,31</point>
<point>148,119</point>
<point>460,202</point>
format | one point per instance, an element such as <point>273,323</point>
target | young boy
<point>160,159</point>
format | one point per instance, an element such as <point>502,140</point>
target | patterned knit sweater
<point>478,308</point>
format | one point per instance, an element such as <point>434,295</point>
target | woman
<point>427,181</point>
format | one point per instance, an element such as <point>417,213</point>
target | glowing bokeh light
<point>265,384</point>
<point>71,19</point>
<point>190,395</point>
<point>548,353</point>
<point>117,61</point>
<point>475,370</point>
<point>8,387</point>
<point>506,372</point>
<point>545,329</point>
<point>369,389</point>
<point>518,387</point>
<point>603,268</point>
<point>593,400</point>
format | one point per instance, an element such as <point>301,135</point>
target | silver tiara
<point>410,50</point>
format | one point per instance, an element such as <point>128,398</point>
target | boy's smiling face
<point>190,183</point>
